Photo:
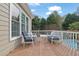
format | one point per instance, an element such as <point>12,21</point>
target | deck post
<point>62,35</point>
<point>76,39</point>
<point>73,39</point>
<point>73,43</point>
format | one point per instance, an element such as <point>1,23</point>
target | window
<point>18,22</point>
<point>15,21</point>
<point>24,22</point>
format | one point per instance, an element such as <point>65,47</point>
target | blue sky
<point>44,9</point>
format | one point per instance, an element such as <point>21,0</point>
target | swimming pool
<point>71,43</point>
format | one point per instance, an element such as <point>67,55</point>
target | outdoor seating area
<point>44,48</point>
<point>44,45</point>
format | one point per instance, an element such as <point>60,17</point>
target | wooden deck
<point>43,48</point>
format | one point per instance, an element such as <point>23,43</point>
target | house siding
<point>5,44</point>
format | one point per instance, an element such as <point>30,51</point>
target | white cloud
<point>59,11</point>
<point>33,10</point>
<point>34,4</point>
<point>48,13</point>
<point>37,4</point>
<point>54,8</point>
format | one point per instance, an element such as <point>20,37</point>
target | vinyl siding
<point>5,44</point>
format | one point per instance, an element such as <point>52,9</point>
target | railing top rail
<point>56,31</point>
<point>67,31</point>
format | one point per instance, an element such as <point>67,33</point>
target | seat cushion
<point>55,38</point>
<point>28,40</point>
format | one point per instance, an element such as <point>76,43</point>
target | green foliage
<point>54,18</point>
<point>51,19</point>
<point>36,23</point>
<point>39,23</point>
<point>70,18</point>
<point>74,26</point>
<point>42,23</point>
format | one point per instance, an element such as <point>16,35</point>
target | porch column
<point>62,35</point>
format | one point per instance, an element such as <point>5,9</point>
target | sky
<point>45,9</point>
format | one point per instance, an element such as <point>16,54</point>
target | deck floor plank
<point>43,48</point>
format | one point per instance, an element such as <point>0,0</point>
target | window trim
<point>16,37</point>
<point>10,35</point>
<point>25,24</point>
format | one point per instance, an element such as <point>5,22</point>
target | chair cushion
<point>26,37</point>
<point>28,40</point>
<point>55,38</point>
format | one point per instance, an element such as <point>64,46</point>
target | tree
<point>65,24</point>
<point>36,23</point>
<point>42,23</point>
<point>58,19</point>
<point>77,11</point>
<point>51,19</point>
<point>54,18</point>
<point>74,26</point>
<point>70,18</point>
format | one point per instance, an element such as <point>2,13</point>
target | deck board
<point>43,48</point>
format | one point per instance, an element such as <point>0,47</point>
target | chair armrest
<point>34,35</point>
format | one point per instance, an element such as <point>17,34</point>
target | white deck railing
<point>71,38</point>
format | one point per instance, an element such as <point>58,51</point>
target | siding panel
<point>2,18</point>
<point>4,28</point>
<point>3,9</point>
<point>5,44</point>
<point>9,47</point>
<point>4,14</point>
<point>3,33</point>
<point>5,6</point>
<point>4,37</point>
<point>3,23</point>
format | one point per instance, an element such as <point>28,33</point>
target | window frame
<point>10,25</point>
<point>22,23</point>
<point>15,37</point>
<point>26,22</point>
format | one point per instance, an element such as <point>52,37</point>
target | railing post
<point>73,43</point>
<point>73,39</point>
<point>76,39</point>
<point>62,35</point>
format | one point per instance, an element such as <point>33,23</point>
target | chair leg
<point>23,45</point>
<point>34,41</point>
<point>33,44</point>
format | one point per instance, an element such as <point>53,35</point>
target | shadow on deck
<point>43,48</point>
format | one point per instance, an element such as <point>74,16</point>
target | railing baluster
<point>73,43</point>
<point>67,39</point>
<point>62,35</point>
<point>73,40</point>
<point>76,39</point>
